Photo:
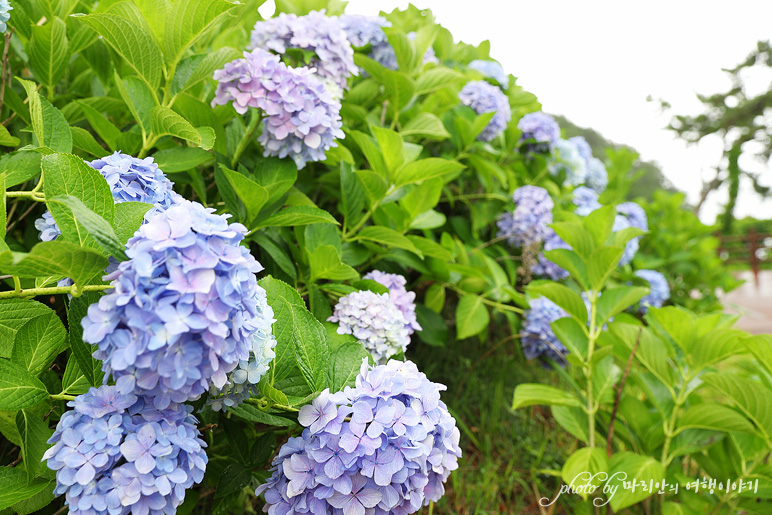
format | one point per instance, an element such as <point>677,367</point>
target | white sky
<point>596,61</point>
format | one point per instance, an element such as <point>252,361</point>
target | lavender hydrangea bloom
<point>546,268</point>
<point>583,147</point>
<point>586,200</point>
<point>539,127</point>
<point>184,308</point>
<point>631,248</point>
<point>385,446</point>
<point>492,70</point>
<point>114,453</point>
<point>315,32</point>
<point>5,15</point>
<point>131,180</point>
<point>659,290</point>
<point>568,159</point>
<point>528,223</point>
<point>364,30</point>
<point>302,119</point>
<point>597,176</point>
<point>635,214</point>
<point>539,339</point>
<point>375,320</point>
<point>404,300</point>
<point>485,98</point>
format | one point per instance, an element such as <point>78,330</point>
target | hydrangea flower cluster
<point>485,98</point>
<point>546,268</point>
<point>302,119</point>
<point>568,159</point>
<point>586,200</point>
<point>184,309</point>
<point>538,337</point>
<point>5,15</point>
<point>375,320</point>
<point>659,290</point>
<point>630,214</point>
<point>384,54</point>
<point>528,223</point>
<point>315,32</point>
<point>115,453</point>
<point>384,446</point>
<point>492,70</point>
<point>631,248</point>
<point>582,146</point>
<point>404,300</point>
<point>131,180</point>
<point>597,176</point>
<point>539,127</point>
<point>364,30</point>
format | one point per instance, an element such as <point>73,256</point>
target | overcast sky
<point>596,62</point>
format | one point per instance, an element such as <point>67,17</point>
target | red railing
<point>744,249</point>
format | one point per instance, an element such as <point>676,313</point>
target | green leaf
<point>425,169</point>
<point>750,397</point>
<point>374,185</point>
<point>391,145</point>
<point>579,238</point>
<point>181,159</point>
<point>280,257</point>
<point>678,323</point>
<point>82,351</point>
<point>139,99</point>
<point>6,140</point>
<point>573,335</point>
<point>19,167</point>
<point>82,139</point>
<point>628,466</point>
<point>573,420</point>
<point>581,469</point>
<point>600,223</point>
<point>372,153</point>
<point>18,388</point>
<point>251,413</point>
<point>251,194</point>
<point>74,381</point>
<point>50,126</point>
<point>472,316</point>
<point>101,125</point>
<point>298,215</point>
<point>55,258</point>
<point>399,87</point>
<point>426,125</point>
<point>34,433</point>
<point>38,342</point>
<point>277,176</point>
<point>615,300</point>
<point>528,394</point>
<point>326,264</point>
<point>48,51</point>
<point>601,263</point>
<point>131,42</point>
<point>211,62</point>
<point>128,218</point>
<point>434,329</point>
<point>15,313</point>
<point>388,237</point>
<point>346,360</point>
<point>714,417</point>
<point>99,228</point>
<point>352,195</point>
<point>164,121</point>
<point>436,78</point>
<point>564,297</point>
<point>187,21</point>
<point>67,174</point>
<point>14,486</point>
<point>312,348</point>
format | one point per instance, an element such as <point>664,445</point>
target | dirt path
<point>752,303</point>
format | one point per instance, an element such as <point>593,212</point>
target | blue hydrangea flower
<point>539,127</point>
<point>375,320</point>
<point>301,118</point>
<point>385,446</point>
<point>131,180</point>
<point>567,158</point>
<point>115,453</point>
<point>631,248</point>
<point>404,300</point>
<point>659,290</point>
<point>635,214</point>
<point>586,200</point>
<point>485,98</point>
<point>364,30</point>
<point>583,147</point>
<point>597,176</point>
<point>538,337</point>
<point>546,268</point>
<point>492,70</point>
<point>529,223</point>
<point>184,309</point>
<point>5,15</point>
<point>315,32</point>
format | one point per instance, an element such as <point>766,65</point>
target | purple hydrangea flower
<point>184,309</point>
<point>483,97</point>
<point>538,337</point>
<point>364,30</point>
<point>315,32</point>
<point>597,176</point>
<point>529,222</point>
<point>546,268</point>
<point>131,180</point>
<point>405,300</point>
<point>115,453</point>
<point>586,200</point>
<point>567,158</point>
<point>635,215</point>
<point>375,320</point>
<point>659,290</point>
<point>302,119</point>
<point>539,127</point>
<point>492,70</point>
<point>385,446</point>
<point>631,248</point>
<point>583,147</point>
<point>5,15</point>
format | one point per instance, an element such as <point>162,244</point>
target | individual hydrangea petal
<point>492,70</point>
<point>301,117</point>
<point>405,300</point>
<point>540,128</point>
<point>538,337</point>
<point>529,223</point>
<point>567,158</point>
<point>546,268</point>
<point>185,307</point>
<point>385,446</point>
<point>659,290</point>
<point>375,320</point>
<point>483,97</point>
<point>117,453</point>
<point>5,15</point>
<point>315,32</point>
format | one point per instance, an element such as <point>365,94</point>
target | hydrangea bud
<point>184,308</point>
<point>315,32</point>
<point>375,320</point>
<point>659,290</point>
<point>385,446</point>
<point>540,128</point>
<point>301,117</point>
<point>492,70</point>
<point>538,337</point>
<point>529,223</point>
<point>483,97</point>
<point>116,453</point>
<point>5,15</point>
<point>568,159</point>
<point>404,300</point>
<point>546,268</point>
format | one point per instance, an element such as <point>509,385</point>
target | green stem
<point>263,404</point>
<point>61,397</point>
<point>34,292</point>
<point>348,234</point>
<point>476,196</point>
<point>34,195</point>
<point>246,139</point>
<point>669,426</point>
<point>591,408</point>
<point>151,140</point>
